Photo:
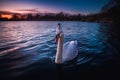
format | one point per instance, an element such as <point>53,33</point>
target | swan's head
<point>58,32</point>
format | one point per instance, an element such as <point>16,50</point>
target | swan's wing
<point>70,51</point>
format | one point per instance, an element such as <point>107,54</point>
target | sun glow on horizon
<point>8,16</point>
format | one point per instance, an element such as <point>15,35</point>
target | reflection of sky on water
<point>23,32</point>
<point>30,42</point>
<point>26,34</point>
<point>87,34</point>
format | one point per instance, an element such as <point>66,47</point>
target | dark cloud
<point>29,10</point>
<point>6,12</point>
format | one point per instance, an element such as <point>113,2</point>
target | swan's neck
<point>58,58</point>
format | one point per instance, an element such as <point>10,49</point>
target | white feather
<point>69,51</point>
<point>65,52</point>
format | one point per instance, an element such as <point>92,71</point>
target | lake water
<point>27,50</point>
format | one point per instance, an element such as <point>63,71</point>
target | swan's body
<point>65,52</point>
<point>69,51</point>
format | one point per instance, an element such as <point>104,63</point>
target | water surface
<point>27,49</point>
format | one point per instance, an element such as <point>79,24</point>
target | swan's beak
<point>56,38</point>
<point>58,31</point>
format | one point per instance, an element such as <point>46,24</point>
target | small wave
<point>83,60</point>
<point>9,50</point>
<point>77,61</point>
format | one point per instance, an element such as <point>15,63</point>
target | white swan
<point>65,52</point>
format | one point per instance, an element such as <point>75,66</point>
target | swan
<point>65,52</point>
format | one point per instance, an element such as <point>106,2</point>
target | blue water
<point>27,49</point>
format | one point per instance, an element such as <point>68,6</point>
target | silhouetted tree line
<point>48,16</point>
<point>110,12</point>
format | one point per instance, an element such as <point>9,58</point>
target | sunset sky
<point>54,6</point>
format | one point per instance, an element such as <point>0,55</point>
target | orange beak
<point>56,38</point>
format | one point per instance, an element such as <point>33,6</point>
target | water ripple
<point>30,46</point>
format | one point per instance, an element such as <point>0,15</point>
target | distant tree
<point>15,17</point>
<point>111,4</point>
<point>29,17</point>
<point>37,16</point>
<point>111,10</point>
<point>76,17</point>
<point>60,16</point>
